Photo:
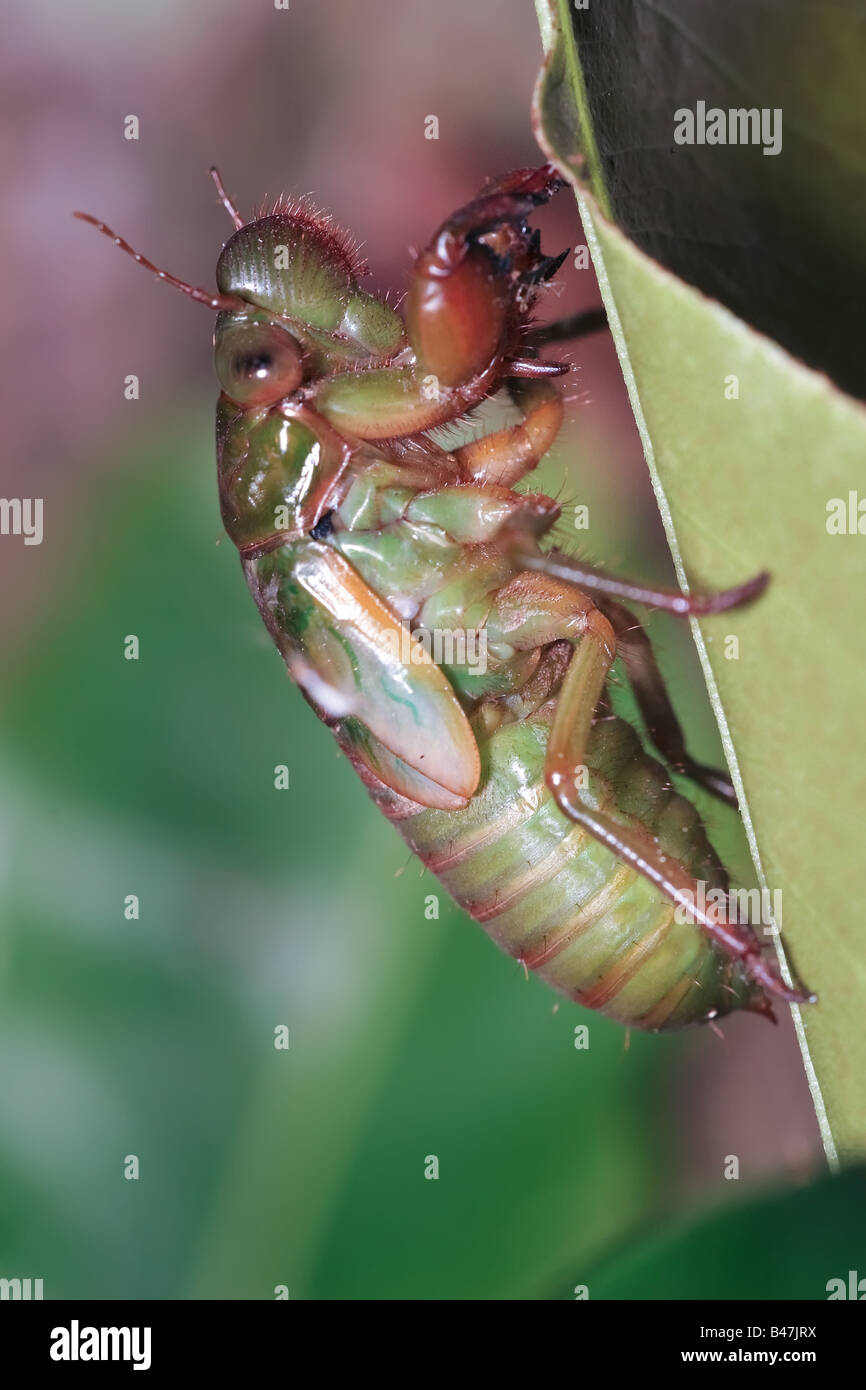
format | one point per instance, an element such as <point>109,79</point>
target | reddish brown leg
<point>595,581</point>
<point>654,703</point>
<point>638,849</point>
<point>471,291</point>
<point>568,329</point>
<point>578,700</point>
<point>510,199</point>
<point>461,302</point>
<point>507,455</point>
<point>533,367</point>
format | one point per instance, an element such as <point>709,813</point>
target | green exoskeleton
<point>360,536</point>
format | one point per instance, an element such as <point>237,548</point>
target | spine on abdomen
<point>556,899</point>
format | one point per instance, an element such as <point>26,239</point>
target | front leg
<point>472,288</point>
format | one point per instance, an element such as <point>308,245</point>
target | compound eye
<point>257,363</point>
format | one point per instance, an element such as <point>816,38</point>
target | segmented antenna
<point>213,301</point>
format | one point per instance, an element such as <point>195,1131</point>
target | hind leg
<point>578,700</point>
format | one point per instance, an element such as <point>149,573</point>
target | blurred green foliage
<point>155,1037</point>
<point>786,1245</point>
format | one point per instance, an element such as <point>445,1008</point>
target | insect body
<point>511,779</point>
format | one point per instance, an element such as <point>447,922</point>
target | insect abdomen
<point>556,899</point>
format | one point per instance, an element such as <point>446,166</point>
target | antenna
<point>213,301</point>
<point>225,199</point>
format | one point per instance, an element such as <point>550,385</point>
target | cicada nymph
<point>538,809</point>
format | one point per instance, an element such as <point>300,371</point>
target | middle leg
<point>505,456</point>
<point>570,329</point>
<point>586,577</point>
<point>654,703</point>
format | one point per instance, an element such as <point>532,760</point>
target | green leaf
<point>777,237</point>
<point>747,450</point>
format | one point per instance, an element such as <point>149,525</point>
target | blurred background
<point>154,1037</point>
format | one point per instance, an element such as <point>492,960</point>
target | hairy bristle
<point>340,243</point>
